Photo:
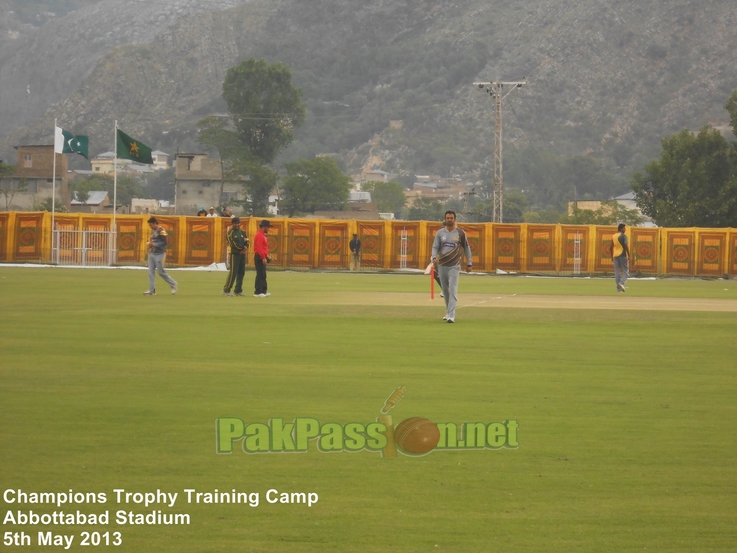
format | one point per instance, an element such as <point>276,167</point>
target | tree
<point>79,189</point>
<point>426,209</point>
<point>45,205</point>
<point>264,110</point>
<point>83,195</point>
<point>388,196</point>
<point>549,215</point>
<point>261,180</point>
<point>235,158</point>
<point>535,171</point>
<point>9,188</point>
<point>237,163</point>
<point>731,107</point>
<point>160,184</point>
<point>214,133</point>
<point>610,213</point>
<point>314,184</point>
<point>548,179</point>
<point>694,183</point>
<point>585,178</point>
<point>515,204</point>
<point>264,106</point>
<point>407,180</point>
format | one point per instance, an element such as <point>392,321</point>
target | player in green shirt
<point>238,244</point>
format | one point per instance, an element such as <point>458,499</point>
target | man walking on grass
<point>620,257</point>
<point>156,255</point>
<point>449,246</point>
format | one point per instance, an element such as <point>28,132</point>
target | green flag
<point>130,148</point>
<point>66,143</point>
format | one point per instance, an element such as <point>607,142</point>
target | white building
<point>359,197</point>
<point>161,160</point>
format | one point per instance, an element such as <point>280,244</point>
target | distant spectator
<point>355,247</point>
<point>211,213</point>
<point>621,257</point>
<point>227,212</point>
<point>202,212</point>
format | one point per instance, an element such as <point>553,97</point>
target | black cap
<point>236,221</point>
<point>264,223</point>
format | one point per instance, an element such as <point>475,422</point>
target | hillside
<point>48,48</point>
<point>607,78</point>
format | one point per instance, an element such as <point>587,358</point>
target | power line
<point>354,113</point>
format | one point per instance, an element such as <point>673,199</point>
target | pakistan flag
<point>130,148</point>
<point>66,143</point>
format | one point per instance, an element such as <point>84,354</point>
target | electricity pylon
<point>496,90</point>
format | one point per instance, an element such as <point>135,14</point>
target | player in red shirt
<point>261,258</point>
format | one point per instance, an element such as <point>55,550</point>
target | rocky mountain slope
<point>42,65</point>
<point>607,78</point>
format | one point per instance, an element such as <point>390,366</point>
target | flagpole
<point>114,245</point>
<point>53,196</point>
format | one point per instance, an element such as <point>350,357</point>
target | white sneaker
<point>149,293</point>
<point>445,318</point>
<point>450,320</point>
<point>441,295</point>
<point>266,295</point>
<point>174,288</point>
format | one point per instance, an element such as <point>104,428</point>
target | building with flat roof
<point>199,183</point>
<point>98,201</point>
<point>32,181</point>
<point>161,160</point>
<point>625,200</point>
<point>104,163</point>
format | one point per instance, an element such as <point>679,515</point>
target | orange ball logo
<point>417,435</point>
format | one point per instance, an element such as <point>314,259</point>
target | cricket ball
<point>416,435</point>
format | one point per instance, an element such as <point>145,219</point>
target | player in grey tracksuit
<point>448,248</point>
<point>156,256</point>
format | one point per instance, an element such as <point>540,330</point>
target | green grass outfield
<point>628,418</point>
